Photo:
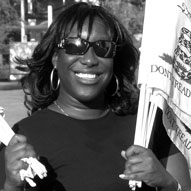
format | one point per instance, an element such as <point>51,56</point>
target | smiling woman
<point>82,96</point>
<point>85,67</point>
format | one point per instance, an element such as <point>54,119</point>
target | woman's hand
<point>17,149</point>
<point>142,165</point>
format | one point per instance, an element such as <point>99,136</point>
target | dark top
<point>84,155</point>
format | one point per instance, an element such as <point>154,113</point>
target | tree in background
<point>130,13</point>
<point>9,19</point>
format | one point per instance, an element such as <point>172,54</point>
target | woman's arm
<point>17,149</point>
<point>142,165</point>
<point>177,166</point>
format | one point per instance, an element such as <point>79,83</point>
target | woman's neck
<point>80,110</point>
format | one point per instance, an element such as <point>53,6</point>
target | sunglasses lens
<point>104,49</point>
<point>78,46</point>
<point>75,46</point>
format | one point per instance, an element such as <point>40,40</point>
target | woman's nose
<point>89,58</point>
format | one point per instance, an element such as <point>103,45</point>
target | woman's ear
<point>55,60</point>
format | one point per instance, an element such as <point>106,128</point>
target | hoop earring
<point>117,86</point>
<point>51,80</point>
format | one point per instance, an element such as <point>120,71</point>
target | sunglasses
<point>78,46</point>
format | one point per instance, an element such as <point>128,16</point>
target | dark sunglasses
<point>78,46</point>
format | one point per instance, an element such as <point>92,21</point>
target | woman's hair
<point>36,83</point>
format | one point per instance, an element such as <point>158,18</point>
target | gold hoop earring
<point>51,80</point>
<point>117,86</point>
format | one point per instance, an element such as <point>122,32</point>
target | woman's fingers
<point>19,148</point>
<point>132,176</point>
<point>134,150</point>
<point>142,165</point>
<point>17,138</point>
<point>21,162</point>
<point>136,154</point>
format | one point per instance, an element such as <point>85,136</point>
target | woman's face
<point>85,77</point>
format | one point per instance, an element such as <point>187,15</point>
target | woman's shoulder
<point>40,114</point>
<point>37,119</point>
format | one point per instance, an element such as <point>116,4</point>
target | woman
<point>83,104</point>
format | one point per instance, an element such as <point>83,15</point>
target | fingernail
<point>123,155</point>
<point>122,176</point>
<point>13,140</point>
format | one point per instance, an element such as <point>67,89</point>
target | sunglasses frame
<point>89,44</point>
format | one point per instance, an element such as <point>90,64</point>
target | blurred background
<point>22,25</point>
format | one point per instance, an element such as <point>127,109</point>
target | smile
<point>86,75</point>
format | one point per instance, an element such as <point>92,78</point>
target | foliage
<point>130,13</point>
<point>9,18</point>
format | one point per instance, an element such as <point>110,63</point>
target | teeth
<point>84,75</point>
